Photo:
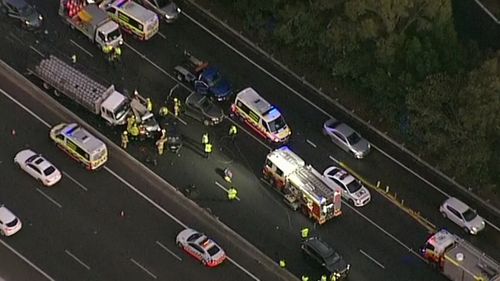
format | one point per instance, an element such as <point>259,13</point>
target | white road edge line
<point>77,259</point>
<point>37,51</point>
<point>27,261</point>
<point>143,268</point>
<point>311,143</point>
<point>156,205</point>
<point>372,259</point>
<point>162,35</point>
<point>49,198</point>
<point>182,121</point>
<point>75,181</point>
<point>81,48</point>
<point>225,189</point>
<point>168,250</point>
<point>334,160</point>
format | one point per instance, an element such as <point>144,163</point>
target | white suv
<point>9,223</point>
<point>461,214</point>
<point>352,189</point>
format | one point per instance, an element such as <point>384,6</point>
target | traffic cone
<point>122,214</point>
<point>13,132</point>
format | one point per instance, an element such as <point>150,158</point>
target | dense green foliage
<point>404,58</point>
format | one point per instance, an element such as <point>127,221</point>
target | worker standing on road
<point>228,175</point>
<point>282,263</point>
<point>304,233</point>
<point>323,278</point>
<point>117,54</point>
<point>73,58</point>
<point>204,139</point>
<point>232,132</point>
<point>232,193</point>
<point>149,105</point>
<point>124,139</point>
<point>208,149</point>
<point>107,51</point>
<point>177,107</point>
<point>163,112</point>
<point>160,144</point>
<point>305,278</point>
<point>130,121</point>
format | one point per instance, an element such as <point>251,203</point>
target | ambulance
<point>261,116</point>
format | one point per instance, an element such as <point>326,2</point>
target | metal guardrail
<point>351,113</point>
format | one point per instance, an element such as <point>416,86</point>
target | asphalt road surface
<point>102,225</point>
<point>17,267</point>
<point>379,240</point>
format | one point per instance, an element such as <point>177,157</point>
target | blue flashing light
<point>274,111</point>
<point>70,131</point>
<point>121,3</point>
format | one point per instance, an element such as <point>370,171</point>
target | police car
<point>201,247</point>
<point>352,189</point>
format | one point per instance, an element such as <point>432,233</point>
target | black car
<point>201,108</point>
<point>325,255</point>
<point>27,14</point>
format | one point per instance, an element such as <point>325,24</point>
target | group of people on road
<point>113,54</point>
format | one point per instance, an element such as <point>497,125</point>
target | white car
<point>38,167</point>
<point>9,223</point>
<point>461,214</point>
<point>200,247</point>
<point>352,189</point>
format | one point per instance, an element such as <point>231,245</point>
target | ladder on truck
<point>313,184</point>
<point>67,79</point>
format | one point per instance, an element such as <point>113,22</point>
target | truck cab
<point>115,108</point>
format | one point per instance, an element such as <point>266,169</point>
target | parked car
<point>38,167</point>
<point>201,108</point>
<point>352,189</point>
<point>9,223</point>
<point>326,256</point>
<point>166,9</point>
<point>27,14</point>
<point>346,138</point>
<point>201,247</point>
<point>461,214</point>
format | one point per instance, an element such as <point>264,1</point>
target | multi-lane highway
<point>379,240</point>
<point>103,225</point>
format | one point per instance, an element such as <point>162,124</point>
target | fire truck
<point>302,186</point>
<point>458,260</point>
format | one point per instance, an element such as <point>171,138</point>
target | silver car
<point>166,9</point>
<point>461,214</point>
<point>346,138</point>
<point>352,189</point>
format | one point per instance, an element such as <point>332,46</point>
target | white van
<point>261,116</point>
<point>133,18</point>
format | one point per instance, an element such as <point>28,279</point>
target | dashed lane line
<point>49,198</point>
<point>77,259</point>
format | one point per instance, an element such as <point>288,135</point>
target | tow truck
<point>92,22</point>
<point>205,79</point>
<point>107,102</point>
<point>302,186</point>
<point>458,260</point>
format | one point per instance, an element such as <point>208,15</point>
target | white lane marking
<point>225,189</point>
<point>77,259</point>
<point>316,106</point>
<point>127,184</point>
<point>168,250</point>
<point>81,48</point>
<point>182,121</point>
<point>242,268</point>
<point>143,268</point>
<point>311,143</point>
<point>162,35</point>
<point>27,261</point>
<point>427,182</point>
<point>372,259</point>
<point>75,181</point>
<point>49,198</point>
<point>37,51</point>
<point>25,108</point>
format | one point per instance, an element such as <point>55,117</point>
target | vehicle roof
<point>138,11</point>
<point>96,14</point>
<point>81,136</point>
<point>320,246</point>
<point>254,101</point>
<point>6,215</point>
<point>341,175</point>
<point>17,3</point>
<point>457,204</point>
<point>115,98</point>
<point>286,160</point>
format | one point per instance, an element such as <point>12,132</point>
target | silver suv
<point>461,214</point>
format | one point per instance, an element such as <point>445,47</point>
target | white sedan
<point>200,247</point>
<point>9,223</point>
<point>38,167</point>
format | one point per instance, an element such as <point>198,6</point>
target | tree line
<point>404,57</point>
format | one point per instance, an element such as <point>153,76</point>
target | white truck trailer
<point>458,260</point>
<point>92,22</point>
<point>106,102</point>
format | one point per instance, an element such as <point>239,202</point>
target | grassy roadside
<point>348,98</point>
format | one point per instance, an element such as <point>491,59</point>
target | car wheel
<point>467,230</point>
<point>179,77</point>
<point>444,214</point>
<point>1,233</point>
<point>204,262</point>
<point>206,122</point>
<point>179,245</point>
<point>351,202</point>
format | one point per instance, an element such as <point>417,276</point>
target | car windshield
<point>277,124</point>
<point>215,79</point>
<point>49,171</point>
<point>113,35</point>
<point>26,11</point>
<point>212,251</point>
<point>194,236</point>
<point>205,105</point>
<point>354,186</point>
<point>332,259</point>
<point>469,215</point>
<point>353,138</point>
<point>12,223</point>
